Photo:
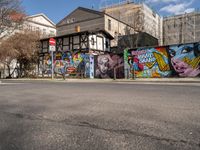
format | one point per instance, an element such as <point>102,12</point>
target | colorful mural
<point>150,62</point>
<point>105,64</point>
<point>68,63</point>
<point>185,59</point>
<point>91,66</point>
<point>167,61</point>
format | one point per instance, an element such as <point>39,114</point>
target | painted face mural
<point>185,59</point>
<point>150,62</point>
<point>105,65</point>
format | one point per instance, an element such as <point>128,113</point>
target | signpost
<point>52,48</point>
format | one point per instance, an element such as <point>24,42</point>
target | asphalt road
<point>99,116</point>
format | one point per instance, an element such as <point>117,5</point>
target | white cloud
<point>189,10</point>
<point>178,8</point>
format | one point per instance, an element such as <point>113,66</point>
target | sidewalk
<point>164,80</point>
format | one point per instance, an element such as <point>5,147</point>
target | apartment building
<point>139,16</point>
<point>184,28</point>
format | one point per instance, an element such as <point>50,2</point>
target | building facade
<point>183,28</point>
<point>74,53</point>
<point>139,16</point>
<point>40,23</point>
<point>83,19</point>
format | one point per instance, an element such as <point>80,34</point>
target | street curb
<point>162,81</point>
<point>182,80</point>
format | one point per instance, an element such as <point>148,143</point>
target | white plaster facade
<point>38,22</point>
<point>99,42</point>
<point>41,23</point>
<point>153,23</point>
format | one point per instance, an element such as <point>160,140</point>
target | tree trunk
<point>9,73</point>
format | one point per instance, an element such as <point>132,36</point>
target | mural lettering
<point>151,62</point>
<point>168,61</point>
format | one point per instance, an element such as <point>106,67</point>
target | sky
<point>56,10</point>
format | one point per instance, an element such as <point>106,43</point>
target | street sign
<point>52,41</point>
<point>52,48</point>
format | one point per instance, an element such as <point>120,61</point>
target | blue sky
<point>58,9</point>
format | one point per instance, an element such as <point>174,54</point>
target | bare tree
<point>11,16</point>
<point>7,55</point>
<point>22,47</point>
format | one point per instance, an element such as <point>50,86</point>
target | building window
<point>92,41</point>
<point>107,44</point>
<point>109,24</point>
<point>44,31</point>
<point>70,20</point>
<point>77,28</point>
<point>52,33</point>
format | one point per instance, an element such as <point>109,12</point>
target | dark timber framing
<point>67,42</point>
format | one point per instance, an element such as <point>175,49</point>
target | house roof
<point>84,9</point>
<point>91,10</point>
<point>43,15</point>
<point>94,12</point>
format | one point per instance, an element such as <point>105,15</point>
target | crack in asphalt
<point>93,126</point>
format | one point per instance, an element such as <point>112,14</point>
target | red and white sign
<point>52,41</point>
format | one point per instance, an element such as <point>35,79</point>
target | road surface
<point>99,116</point>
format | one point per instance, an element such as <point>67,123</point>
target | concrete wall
<point>92,66</point>
<point>66,63</point>
<point>181,60</point>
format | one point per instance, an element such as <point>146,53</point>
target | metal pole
<point>52,72</point>
<point>114,73</point>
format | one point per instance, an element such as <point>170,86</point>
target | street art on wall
<point>68,63</point>
<point>91,66</point>
<point>150,62</point>
<point>105,64</point>
<point>185,59</point>
<point>167,61</point>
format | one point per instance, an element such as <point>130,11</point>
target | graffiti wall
<point>68,63</point>
<point>185,59</point>
<point>105,64</point>
<point>151,62</point>
<point>167,61</point>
